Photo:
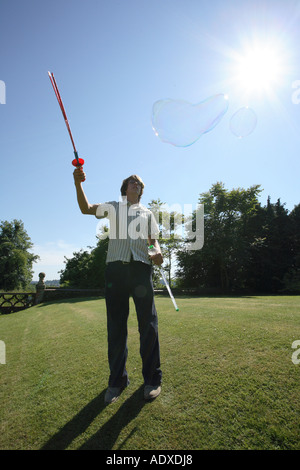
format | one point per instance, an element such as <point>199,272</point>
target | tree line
<point>248,247</point>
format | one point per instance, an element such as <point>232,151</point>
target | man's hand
<point>157,259</point>
<point>79,175</point>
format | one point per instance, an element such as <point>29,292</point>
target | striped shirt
<point>130,226</point>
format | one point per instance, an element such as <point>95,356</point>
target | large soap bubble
<point>181,123</point>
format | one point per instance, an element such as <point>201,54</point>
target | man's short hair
<point>125,185</point>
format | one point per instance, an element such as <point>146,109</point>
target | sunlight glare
<point>259,68</point>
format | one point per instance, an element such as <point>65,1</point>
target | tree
<point>85,270</point>
<point>169,240</point>
<point>15,259</point>
<point>222,261</point>
<point>75,274</point>
<point>270,253</point>
<point>291,280</point>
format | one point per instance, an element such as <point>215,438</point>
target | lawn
<point>229,381</point>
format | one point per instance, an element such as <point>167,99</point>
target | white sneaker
<point>151,391</point>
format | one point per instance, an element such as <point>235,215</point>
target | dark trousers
<point>122,281</point>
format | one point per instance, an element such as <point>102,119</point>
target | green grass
<point>228,377</point>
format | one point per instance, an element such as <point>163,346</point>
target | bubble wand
<point>152,251</point>
<point>78,162</point>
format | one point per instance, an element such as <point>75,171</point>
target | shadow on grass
<point>106,436</point>
<point>73,300</point>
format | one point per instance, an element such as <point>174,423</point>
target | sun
<point>259,68</point>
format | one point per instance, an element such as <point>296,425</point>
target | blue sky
<point>112,60</point>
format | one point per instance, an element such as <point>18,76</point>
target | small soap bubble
<point>181,123</point>
<point>243,122</point>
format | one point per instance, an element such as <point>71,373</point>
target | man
<point>128,273</point>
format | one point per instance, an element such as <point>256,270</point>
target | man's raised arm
<point>83,203</point>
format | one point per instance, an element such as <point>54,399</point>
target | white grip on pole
<point>169,290</point>
<point>152,251</point>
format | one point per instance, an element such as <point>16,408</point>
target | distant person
<point>128,273</point>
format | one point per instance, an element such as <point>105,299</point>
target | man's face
<point>134,187</point>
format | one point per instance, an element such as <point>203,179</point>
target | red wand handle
<point>77,161</point>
